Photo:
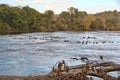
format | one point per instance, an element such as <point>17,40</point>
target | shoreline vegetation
<point>25,19</point>
<point>78,72</point>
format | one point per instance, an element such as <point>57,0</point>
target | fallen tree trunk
<point>98,70</point>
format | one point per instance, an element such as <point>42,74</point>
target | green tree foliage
<point>26,19</point>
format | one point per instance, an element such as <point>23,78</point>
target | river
<point>36,53</point>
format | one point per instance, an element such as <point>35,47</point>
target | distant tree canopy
<point>26,19</point>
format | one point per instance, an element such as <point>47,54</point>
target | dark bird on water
<point>84,58</point>
<point>101,57</point>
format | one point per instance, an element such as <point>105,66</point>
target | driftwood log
<point>97,69</point>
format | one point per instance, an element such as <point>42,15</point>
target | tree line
<point>26,19</point>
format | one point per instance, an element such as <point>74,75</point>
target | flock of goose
<point>83,39</point>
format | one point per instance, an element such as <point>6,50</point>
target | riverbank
<point>14,18</point>
<point>40,77</point>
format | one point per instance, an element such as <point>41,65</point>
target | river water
<point>36,53</point>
